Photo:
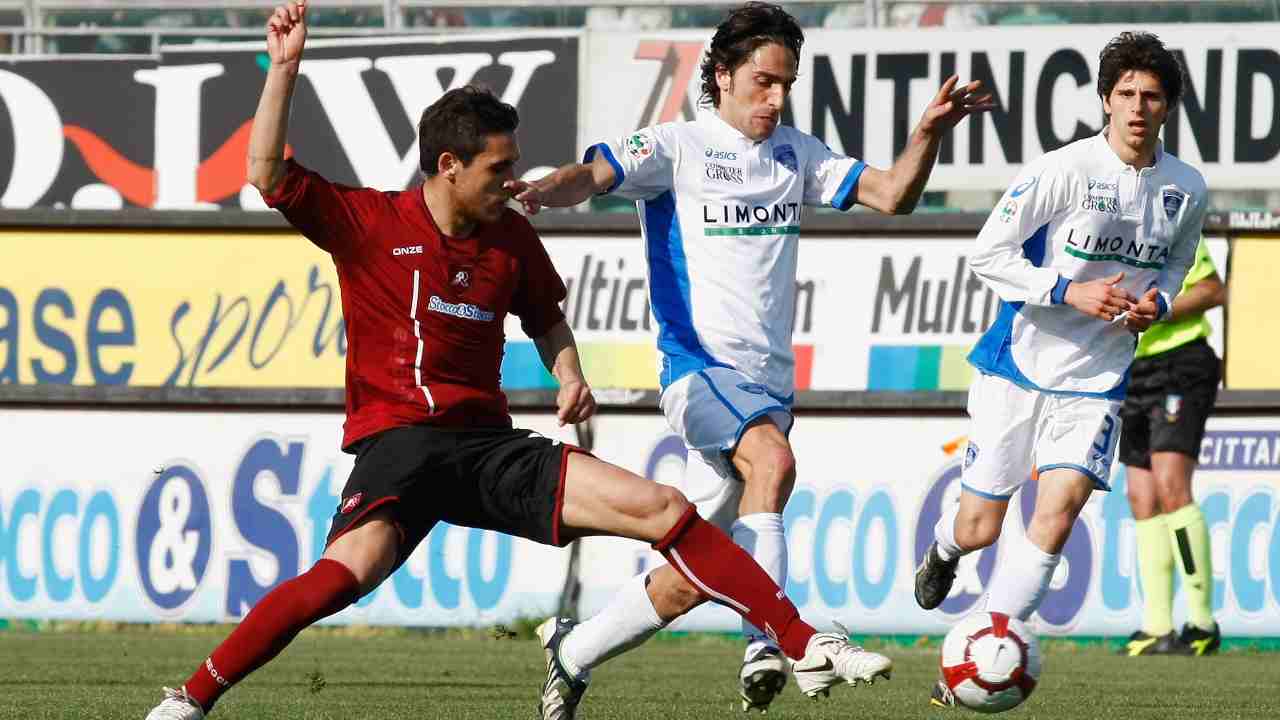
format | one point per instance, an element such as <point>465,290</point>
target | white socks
<point>761,535</point>
<point>944,533</point>
<point>1023,578</point>
<point>622,625</point>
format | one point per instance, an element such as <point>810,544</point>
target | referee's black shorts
<point>502,479</point>
<point>1169,400</point>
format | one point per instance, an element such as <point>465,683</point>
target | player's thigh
<point>1002,421</point>
<point>603,499</point>
<point>711,409</point>
<point>1079,433</point>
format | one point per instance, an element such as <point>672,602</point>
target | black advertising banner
<point>173,134</point>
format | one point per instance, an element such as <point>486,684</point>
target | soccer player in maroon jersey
<point>427,276</point>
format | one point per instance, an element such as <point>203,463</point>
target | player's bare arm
<point>566,187</point>
<point>1102,298</point>
<point>559,352</point>
<point>286,35</point>
<point>898,189</point>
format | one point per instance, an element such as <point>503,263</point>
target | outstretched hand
<point>286,33</point>
<point>953,104</point>
<point>526,194</point>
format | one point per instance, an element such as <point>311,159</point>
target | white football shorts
<point>1013,429</point>
<point>710,409</point>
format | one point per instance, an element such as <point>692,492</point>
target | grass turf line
<point>332,674</point>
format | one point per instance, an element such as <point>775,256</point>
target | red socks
<point>724,572</point>
<point>271,625</point>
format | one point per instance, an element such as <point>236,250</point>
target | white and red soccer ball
<point>991,662</point>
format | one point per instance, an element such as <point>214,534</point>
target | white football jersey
<point>720,215</point>
<point>1080,213</point>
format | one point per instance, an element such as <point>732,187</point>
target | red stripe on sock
<point>724,572</point>
<point>271,625</point>
<point>677,530</point>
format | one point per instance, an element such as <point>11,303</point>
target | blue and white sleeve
<point>829,177</point>
<point>642,163</point>
<point>1012,245</point>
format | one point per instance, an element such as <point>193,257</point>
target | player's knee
<point>1174,500</point>
<point>1052,527</point>
<point>669,505</point>
<point>977,531</point>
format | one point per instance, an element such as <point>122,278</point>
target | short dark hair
<point>1140,51</point>
<point>744,30</point>
<point>459,122</point>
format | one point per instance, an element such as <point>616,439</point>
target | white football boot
<point>176,705</point>
<point>763,675</point>
<point>829,659</point>
<point>562,692</point>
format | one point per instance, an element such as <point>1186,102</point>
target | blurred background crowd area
<point>68,26</point>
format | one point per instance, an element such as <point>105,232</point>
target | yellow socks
<point>1189,537</point>
<point>1155,567</point>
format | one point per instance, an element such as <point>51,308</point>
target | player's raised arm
<point>286,34</point>
<point>898,189</point>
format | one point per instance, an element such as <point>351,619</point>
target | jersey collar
<point>1113,160</point>
<point>711,120</point>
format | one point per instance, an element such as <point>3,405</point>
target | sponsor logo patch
<point>724,173</point>
<point>1020,189</point>
<point>466,311</point>
<point>408,250</point>
<point>1009,211</point>
<point>640,145</point>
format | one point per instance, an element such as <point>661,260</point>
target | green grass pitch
<point>335,673</point>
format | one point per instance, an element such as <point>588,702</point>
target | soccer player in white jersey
<point>1086,249</point>
<point>720,200</point>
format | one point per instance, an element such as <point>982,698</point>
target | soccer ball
<point>991,662</point>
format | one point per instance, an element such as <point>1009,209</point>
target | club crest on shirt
<point>640,145</point>
<point>460,277</point>
<point>350,503</point>
<point>1173,200</point>
<point>785,155</point>
<point>970,454</point>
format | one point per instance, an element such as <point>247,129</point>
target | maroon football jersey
<point>424,311</point>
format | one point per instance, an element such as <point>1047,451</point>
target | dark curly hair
<point>744,30</point>
<point>459,122</point>
<point>1140,51</point>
